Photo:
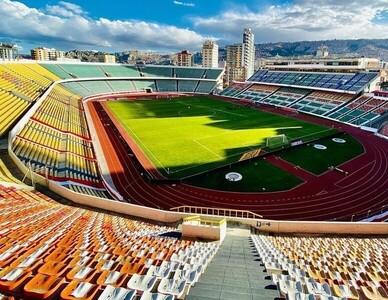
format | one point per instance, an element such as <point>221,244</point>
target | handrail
<point>213,211</point>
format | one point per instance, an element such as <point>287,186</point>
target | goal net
<point>276,141</point>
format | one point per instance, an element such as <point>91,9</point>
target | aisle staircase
<point>235,273</point>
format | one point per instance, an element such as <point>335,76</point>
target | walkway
<point>234,273</point>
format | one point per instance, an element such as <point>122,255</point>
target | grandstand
<point>82,254</point>
<point>321,103</point>
<point>257,92</point>
<point>285,96</point>
<point>305,268</point>
<point>352,82</point>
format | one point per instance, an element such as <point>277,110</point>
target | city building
<point>209,54</point>
<point>249,52</point>
<point>322,51</point>
<point>184,59</point>
<point>107,58</point>
<point>234,67</point>
<point>8,51</point>
<point>42,53</point>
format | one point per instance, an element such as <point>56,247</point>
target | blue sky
<point>171,25</point>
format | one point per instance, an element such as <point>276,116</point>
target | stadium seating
<point>187,86</point>
<point>167,85</point>
<point>321,103</point>
<point>49,249</point>
<point>120,71</point>
<point>205,87</point>
<point>258,92</point>
<point>154,71</point>
<point>81,70</point>
<point>234,90</point>
<point>212,73</point>
<point>308,268</point>
<point>121,85</point>
<point>20,86</point>
<point>362,110</point>
<point>56,143</point>
<point>189,72</point>
<point>142,85</point>
<point>285,96</point>
<point>354,82</point>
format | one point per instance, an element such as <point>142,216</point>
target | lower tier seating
<point>285,96</point>
<point>326,268</point>
<point>51,250</point>
<point>234,90</point>
<point>362,110</point>
<point>258,92</point>
<point>321,103</point>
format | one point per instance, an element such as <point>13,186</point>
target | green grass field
<point>318,161</point>
<point>188,135</point>
<point>257,176</point>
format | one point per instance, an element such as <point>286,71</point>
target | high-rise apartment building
<point>184,59</point>
<point>249,52</point>
<point>209,54</point>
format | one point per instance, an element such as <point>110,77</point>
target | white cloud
<point>66,24</point>
<point>188,4</point>
<point>301,20</point>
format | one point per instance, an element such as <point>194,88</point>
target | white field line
<point>149,151</point>
<point>208,149</point>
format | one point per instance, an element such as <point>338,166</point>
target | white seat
<point>290,286</point>
<point>12,275</point>
<point>82,289</point>
<point>318,288</point>
<point>161,271</point>
<point>189,276</point>
<point>141,282</point>
<point>156,296</point>
<point>112,277</point>
<point>171,286</point>
<point>117,293</point>
<point>300,296</point>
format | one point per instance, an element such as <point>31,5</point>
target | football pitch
<point>188,135</point>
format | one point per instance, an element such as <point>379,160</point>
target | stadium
<point>150,182</point>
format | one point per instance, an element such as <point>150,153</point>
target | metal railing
<point>217,212</point>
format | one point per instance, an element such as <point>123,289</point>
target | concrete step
<point>234,273</point>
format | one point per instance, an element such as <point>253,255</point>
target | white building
<point>42,53</point>
<point>8,51</point>
<point>210,54</point>
<point>249,52</point>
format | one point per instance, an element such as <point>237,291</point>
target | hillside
<point>370,48</point>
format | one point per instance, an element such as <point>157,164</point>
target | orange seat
<point>132,268</point>
<point>53,268</point>
<point>42,286</point>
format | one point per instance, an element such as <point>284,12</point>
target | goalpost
<point>276,141</point>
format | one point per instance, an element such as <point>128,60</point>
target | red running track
<point>331,196</point>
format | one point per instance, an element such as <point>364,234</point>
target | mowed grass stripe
<point>188,135</point>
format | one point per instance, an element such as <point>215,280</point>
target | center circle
<point>320,147</point>
<point>233,176</point>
